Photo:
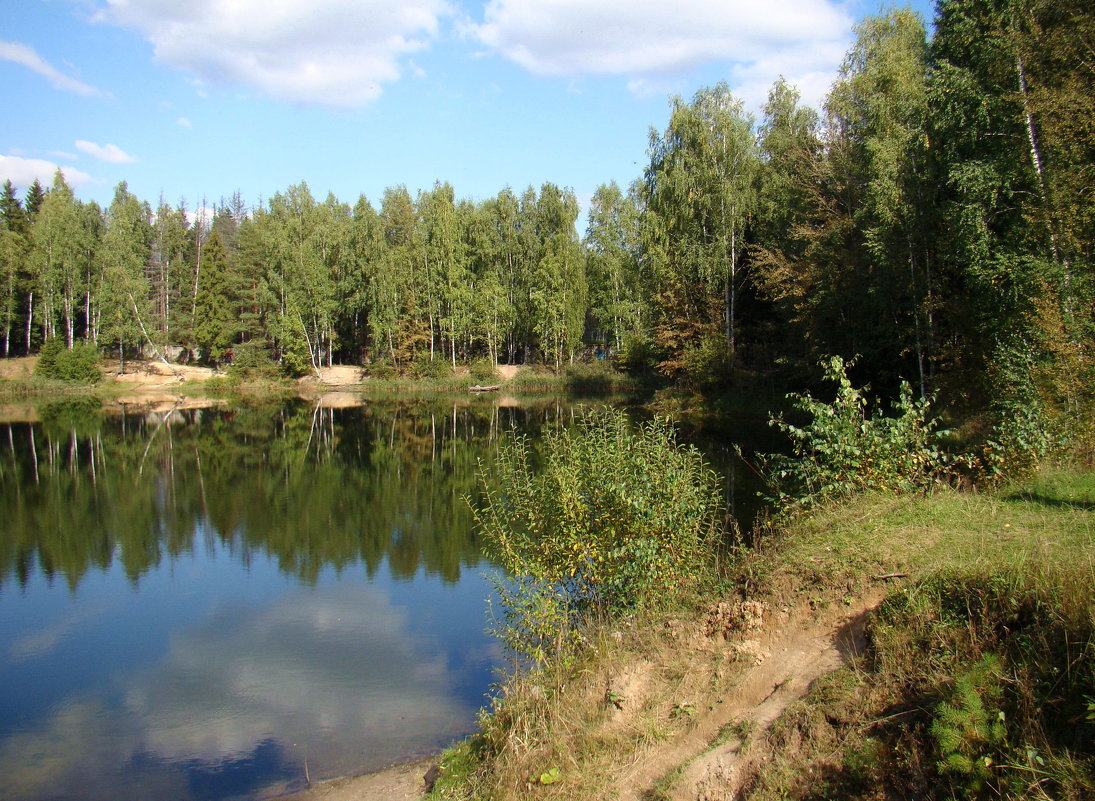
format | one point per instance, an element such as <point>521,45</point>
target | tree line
<point>934,218</point>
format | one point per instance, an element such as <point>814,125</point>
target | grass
<point>1042,526</point>
<point>32,386</point>
<point>1004,578</point>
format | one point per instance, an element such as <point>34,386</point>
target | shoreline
<point>402,781</point>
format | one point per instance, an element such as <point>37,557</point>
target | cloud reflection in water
<point>333,674</point>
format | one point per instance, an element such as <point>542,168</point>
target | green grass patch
<point>981,678</point>
<point>1043,527</point>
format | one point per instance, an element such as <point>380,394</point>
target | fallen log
<point>491,388</point>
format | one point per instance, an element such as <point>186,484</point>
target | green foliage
<point>383,369</point>
<point>638,355</point>
<point>845,448</point>
<point>78,364</point>
<point>968,729</point>
<point>615,518</point>
<point>707,363</point>
<point>549,776</point>
<point>253,360</point>
<point>47,357</point>
<point>425,367</point>
<point>1021,440</point>
<point>598,376</point>
<point>482,370</point>
<point>294,359</point>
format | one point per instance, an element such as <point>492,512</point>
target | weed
<point>737,729</point>
<point>845,449</point>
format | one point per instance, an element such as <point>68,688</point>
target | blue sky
<point>194,100</point>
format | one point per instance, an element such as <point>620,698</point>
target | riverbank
<point>940,643</point>
<point>158,384</point>
<point>403,782</point>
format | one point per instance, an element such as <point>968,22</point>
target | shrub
<point>382,369</point>
<point>425,367</point>
<point>47,357</point>
<point>78,364</point>
<point>638,355</point>
<point>616,519</point>
<point>593,377</point>
<point>706,364</point>
<point>295,360</point>
<point>482,370</point>
<point>844,449</point>
<point>969,729</point>
<point>253,360</point>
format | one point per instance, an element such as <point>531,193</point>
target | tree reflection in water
<point>311,486</point>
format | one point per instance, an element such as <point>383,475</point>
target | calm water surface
<point>194,603</point>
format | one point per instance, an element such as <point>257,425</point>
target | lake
<point>214,603</point>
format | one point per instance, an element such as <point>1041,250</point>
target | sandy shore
<point>397,783</point>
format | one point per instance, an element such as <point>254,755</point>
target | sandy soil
<point>19,367</point>
<point>341,375</point>
<point>155,373</point>
<point>397,783</point>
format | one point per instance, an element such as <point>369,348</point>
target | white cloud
<point>112,154</point>
<point>324,52</point>
<point>202,215</point>
<point>29,58</point>
<point>647,40</point>
<point>644,88</point>
<point>23,171</point>
<point>184,122</point>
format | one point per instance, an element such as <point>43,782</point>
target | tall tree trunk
<point>1036,156</point>
<point>30,318</point>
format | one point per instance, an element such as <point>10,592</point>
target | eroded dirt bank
<point>771,655</point>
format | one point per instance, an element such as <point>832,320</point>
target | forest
<point>933,222</point>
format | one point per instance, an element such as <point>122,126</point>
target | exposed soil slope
<point>774,656</point>
<point>787,654</point>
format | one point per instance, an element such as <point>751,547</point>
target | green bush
<point>47,357</point>
<point>638,355</point>
<point>599,376</point>
<point>969,729</point>
<point>78,364</point>
<point>707,364</point>
<point>425,367</point>
<point>845,449</point>
<point>482,370</point>
<point>616,518</point>
<point>295,361</point>
<point>382,369</point>
<point>254,360</point>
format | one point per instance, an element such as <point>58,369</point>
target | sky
<point>193,101</point>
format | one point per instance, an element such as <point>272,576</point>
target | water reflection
<point>312,486</point>
<point>193,602</point>
<point>342,676</point>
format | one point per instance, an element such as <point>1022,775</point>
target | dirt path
<point>789,659</point>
